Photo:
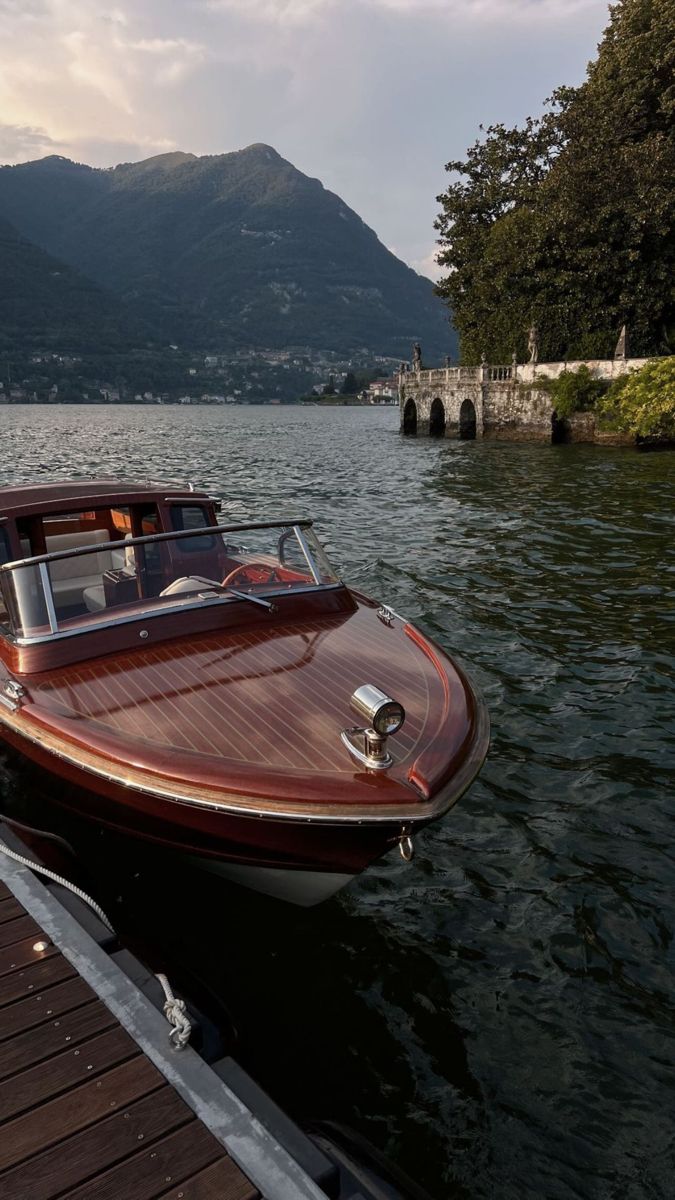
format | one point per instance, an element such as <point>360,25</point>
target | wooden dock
<point>95,1104</point>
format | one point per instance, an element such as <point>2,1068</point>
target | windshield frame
<point>169,604</point>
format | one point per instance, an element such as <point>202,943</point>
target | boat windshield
<point>68,591</point>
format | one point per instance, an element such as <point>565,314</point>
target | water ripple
<point>498,1015</point>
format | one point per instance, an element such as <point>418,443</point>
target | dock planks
<point>84,1114</point>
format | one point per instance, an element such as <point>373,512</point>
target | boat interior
<point>62,570</point>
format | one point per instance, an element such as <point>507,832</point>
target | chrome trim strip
<point>154,539</point>
<point>49,597</point>
<point>418,812</point>
<point>306,551</point>
<point>149,614</point>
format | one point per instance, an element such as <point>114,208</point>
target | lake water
<point>499,1015</point>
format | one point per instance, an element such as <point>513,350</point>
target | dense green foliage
<point>569,223</point>
<point>228,251</point>
<point>573,391</point>
<point>643,403</point>
<point>46,305</point>
<point>350,384</point>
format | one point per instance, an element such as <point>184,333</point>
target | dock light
<point>384,716</point>
<point>40,946</point>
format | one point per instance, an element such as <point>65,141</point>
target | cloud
<point>19,142</point>
<point>89,67</point>
<point>158,45</point>
<point>102,152</point>
<point>23,9</point>
<point>533,10</point>
<point>299,11</point>
<point>296,11</point>
<point>427,266</point>
<point>371,96</point>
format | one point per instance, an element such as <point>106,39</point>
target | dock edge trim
<point>266,1163</point>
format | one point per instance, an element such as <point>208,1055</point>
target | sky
<point>372,97</point>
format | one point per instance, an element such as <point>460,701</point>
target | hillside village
<point>300,374</point>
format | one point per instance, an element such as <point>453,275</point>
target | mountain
<point>45,304</point>
<point>231,250</point>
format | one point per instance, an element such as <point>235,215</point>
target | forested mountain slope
<point>45,304</point>
<point>232,250</point>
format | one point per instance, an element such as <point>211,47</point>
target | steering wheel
<point>250,574</point>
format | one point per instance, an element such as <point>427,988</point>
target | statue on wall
<point>417,357</point>
<point>622,344</point>
<point>533,344</point>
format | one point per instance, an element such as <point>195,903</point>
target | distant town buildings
<point>259,376</point>
<point>383,391</point>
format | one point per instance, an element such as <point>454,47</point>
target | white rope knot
<point>175,1012</point>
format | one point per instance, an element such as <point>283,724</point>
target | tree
<point>350,385</point>
<point>570,221</point>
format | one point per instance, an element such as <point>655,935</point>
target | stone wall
<point>510,412</point>
<point>499,402</point>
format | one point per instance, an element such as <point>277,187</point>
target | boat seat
<point>189,583</point>
<point>94,598</point>
<point>123,561</point>
<point>71,577</point>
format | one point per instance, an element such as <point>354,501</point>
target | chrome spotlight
<point>384,716</point>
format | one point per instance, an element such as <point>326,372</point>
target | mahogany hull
<point>162,744</point>
<point>167,703</point>
<point>209,833</point>
<point>296,861</point>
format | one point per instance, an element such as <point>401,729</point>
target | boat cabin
<point>81,558</point>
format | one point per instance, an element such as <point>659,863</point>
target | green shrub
<point>573,391</point>
<point>643,403</point>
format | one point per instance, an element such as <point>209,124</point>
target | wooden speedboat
<point>196,684</point>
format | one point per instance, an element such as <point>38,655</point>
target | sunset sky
<point>370,96</point>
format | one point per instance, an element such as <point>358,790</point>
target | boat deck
<point>94,1102</point>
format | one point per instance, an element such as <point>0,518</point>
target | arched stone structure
<point>560,430</point>
<point>467,420</point>
<point>437,418</point>
<point>409,425</point>
<point>438,396</point>
<point>506,400</point>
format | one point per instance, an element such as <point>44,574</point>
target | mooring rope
<point>175,1010</point>
<point>26,862</point>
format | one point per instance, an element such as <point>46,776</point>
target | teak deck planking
<point>84,1114</point>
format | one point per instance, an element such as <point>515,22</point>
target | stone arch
<point>410,417</point>
<point>467,420</point>
<point>437,418</point>
<point>560,430</point>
